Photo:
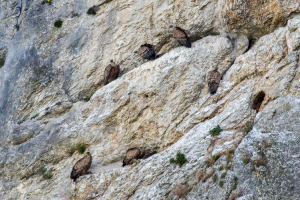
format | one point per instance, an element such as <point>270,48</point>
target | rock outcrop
<point>52,98</point>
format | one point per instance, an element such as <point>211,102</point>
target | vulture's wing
<point>213,80</point>
<point>182,37</point>
<point>83,164</point>
<point>133,153</point>
<point>146,51</point>
<point>107,73</point>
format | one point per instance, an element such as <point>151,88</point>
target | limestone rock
<point>52,98</point>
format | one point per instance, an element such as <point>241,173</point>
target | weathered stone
<point>52,98</point>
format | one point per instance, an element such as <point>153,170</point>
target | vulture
<point>182,36</point>
<point>81,167</point>
<point>111,72</point>
<point>146,51</point>
<point>132,155</point>
<point>213,80</point>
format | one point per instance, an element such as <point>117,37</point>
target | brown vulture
<point>213,80</point>
<point>146,51</point>
<point>182,37</point>
<point>132,155</point>
<point>81,167</point>
<point>111,72</point>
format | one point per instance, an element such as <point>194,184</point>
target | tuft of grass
<point>74,14</point>
<point>91,11</point>
<point>42,170</point>
<point>245,160</point>
<point>81,147</point>
<point>216,157</point>
<point>35,116</point>
<point>58,23</point>
<point>215,131</point>
<point>221,167</point>
<point>47,175</point>
<point>235,182</point>
<point>215,178</point>
<point>137,162</point>
<point>248,127</point>
<point>180,159</point>
<point>47,1</point>
<point>223,175</point>
<point>221,183</point>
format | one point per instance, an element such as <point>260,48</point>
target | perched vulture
<point>132,155</point>
<point>146,51</point>
<point>213,80</point>
<point>182,37</point>
<point>111,72</point>
<point>81,167</point>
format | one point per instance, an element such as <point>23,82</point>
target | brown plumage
<point>111,72</point>
<point>81,167</point>
<point>213,80</point>
<point>182,37</point>
<point>132,155</point>
<point>146,51</point>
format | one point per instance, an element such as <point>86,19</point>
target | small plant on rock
<point>215,157</point>
<point>245,160</point>
<point>42,170</point>
<point>215,131</point>
<point>47,175</point>
<point>248,127</point>
<point>221,183</point>
<point>180,159</point>
<point>47,1</point>
<point>221,167</point>
<point>81,147</point>
<point>223,175</point>
<point>58,23</point>
<point>215,178</point>
<point>235,182</point>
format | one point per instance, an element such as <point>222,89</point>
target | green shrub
<point>245,160</point>
<point>47,1</point>
<point>248,127</point>
<point>47,175</point>
<point>42,170</point>
<point>223,174</point>
<point>221,167</point>
<point>180,159</point>
<point>215,178</point>
<point>215,131</point>
<point>91,11</point>
<point>235,182</point>
<point>221,183</point>
<point>81,147</point>
<point>227,167</point>
<point>216,157</point>
<point>58,23</point>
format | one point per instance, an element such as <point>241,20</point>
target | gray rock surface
<point>52,98</point>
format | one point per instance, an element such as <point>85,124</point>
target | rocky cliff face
<point>52,98</point>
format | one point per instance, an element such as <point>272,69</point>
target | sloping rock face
<point>52,98</point>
